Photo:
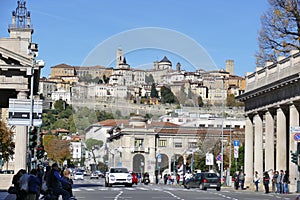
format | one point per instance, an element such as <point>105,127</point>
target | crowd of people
<point>49,183</point>
<point>278,180</point>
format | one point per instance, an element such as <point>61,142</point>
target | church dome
<point>166,60</point>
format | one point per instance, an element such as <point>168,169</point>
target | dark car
<point>203,181</point>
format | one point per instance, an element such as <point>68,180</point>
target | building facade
<point>272,100</point>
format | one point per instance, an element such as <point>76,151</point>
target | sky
<point>197,33</point>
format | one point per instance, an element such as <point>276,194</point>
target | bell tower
<point>20,27</point>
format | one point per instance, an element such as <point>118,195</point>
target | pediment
<point>9,58</point>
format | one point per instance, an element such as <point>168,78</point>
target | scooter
<point>146,180</point>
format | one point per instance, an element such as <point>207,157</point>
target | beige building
<point>272,100</point>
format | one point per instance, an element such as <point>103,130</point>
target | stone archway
<point>138,163</point>
<point>164,164</point>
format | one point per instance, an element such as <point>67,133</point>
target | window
<point>192,144</point>
<point>139,142</point>
<point>162,143</point>
<point>178,145</point>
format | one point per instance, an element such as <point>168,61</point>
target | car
<point>135,179</point>
<point>100,174</point>
<point>94,175</point>
<point>78,176</point>
<point>118,176</point>
<point>203,181</point>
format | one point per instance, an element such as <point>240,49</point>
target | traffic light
<point>32,137</point>
<point>294,157</point>
<point>40,152</point>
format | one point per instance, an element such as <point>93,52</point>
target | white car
<point>118,176</point>
<point>78,176</point>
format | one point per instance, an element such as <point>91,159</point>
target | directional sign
<point>236,143</point>
<point>297,136</point>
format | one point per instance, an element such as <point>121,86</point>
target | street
<point>93,189</point>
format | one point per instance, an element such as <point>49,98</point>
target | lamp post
<point>222,132</point>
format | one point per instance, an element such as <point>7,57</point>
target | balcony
<point>140,150</point>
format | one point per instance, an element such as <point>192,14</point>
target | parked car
<point>118,176</point>
<point>203,181</point>
<point>135,179</point>
<point>94,175</point>
<point>78,176</point>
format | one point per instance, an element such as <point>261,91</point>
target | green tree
<point>280,31</point>
<point>7,145</point>
<point>154,93</point>
<point>149,79</point>
<point>93,144</point>
<point>59,105</point>
<point>167,95</point>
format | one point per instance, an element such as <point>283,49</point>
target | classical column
<point>258,144</point>
<point>281,140</point>
<point>294,121</point>
<point>21,142</point>
<point>248,151</point>
<point>269,142</point>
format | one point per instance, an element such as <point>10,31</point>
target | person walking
<point>256,180</point>
<point>285,182</point>
<point>16,183</point>
<point>40,174</point>
<point>54,182</point>
<point>266,181</point>
<point>33,184</point>
<point>236,180</point>
<point>242,179</point>
<point>68,187</point>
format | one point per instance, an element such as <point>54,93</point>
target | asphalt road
<point>93,189</point>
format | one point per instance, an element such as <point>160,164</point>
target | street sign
<point>295,129</point>
<point>297,136</point>
<point>236,143</point>
<point>19,112</point>
<point>236,151</point>
<point>209,159</point>
<point>219,158</point>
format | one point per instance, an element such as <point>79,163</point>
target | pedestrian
<point>266,181</point>
<point>165,178</point>
<point>33,184</point>
<point>54,182</point>
<point>236,180</point>
<point>286,182</point>
<point>280,182</point>
<point>24,185</point>
<point>274,181</point>
<point>242,179</point>
<point>67,177</point>
<point>40,174</point>
<point>16,183</point>
<point>256,180</point>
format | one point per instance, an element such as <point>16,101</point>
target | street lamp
<point>222,137</point>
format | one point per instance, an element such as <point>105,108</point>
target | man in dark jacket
<point>33,184</point>
<point>54,182</point>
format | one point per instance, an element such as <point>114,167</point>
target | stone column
<point>248,152</point>
<point>258,144</point>
<point>269,142</point>
<point>294,121</point>
<point>21,142</point>
<point>281,140</point>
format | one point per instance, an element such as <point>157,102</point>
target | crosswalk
<point>128,189</point>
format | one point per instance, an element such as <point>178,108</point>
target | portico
<point>272,107</point>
